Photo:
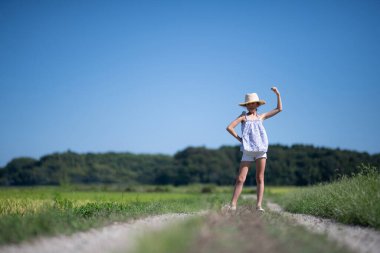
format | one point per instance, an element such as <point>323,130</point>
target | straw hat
<point>251,98</point>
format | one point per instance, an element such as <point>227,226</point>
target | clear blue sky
<point>159,76</point>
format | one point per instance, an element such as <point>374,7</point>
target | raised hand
<point>275,90</point>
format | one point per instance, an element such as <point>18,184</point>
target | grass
<point>31,200</point>
<point>350,200</point>
<point>176,238</point>
<point>28,212</point>
<point>276,193</point>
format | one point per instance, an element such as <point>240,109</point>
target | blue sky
<point>159,76</point>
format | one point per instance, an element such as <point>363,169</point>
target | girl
<point>254,144</point>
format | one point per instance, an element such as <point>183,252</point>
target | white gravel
<point>119,237</point>
<point>357,238</point>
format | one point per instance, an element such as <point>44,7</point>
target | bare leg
<point>240,181</point>
<point>260,168</point>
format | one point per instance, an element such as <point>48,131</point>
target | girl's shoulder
<point>242,116</point>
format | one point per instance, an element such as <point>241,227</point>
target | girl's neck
<point>254,113</point>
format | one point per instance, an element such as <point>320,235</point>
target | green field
<point>27,212</point>
<point>350,200</point>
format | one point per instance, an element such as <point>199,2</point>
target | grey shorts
<point>249,156</point>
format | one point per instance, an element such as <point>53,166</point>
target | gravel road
<point>118,237</point>
<point>121,237</point>
<point>357,238</point>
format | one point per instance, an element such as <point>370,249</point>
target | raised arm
<point>277,109</point>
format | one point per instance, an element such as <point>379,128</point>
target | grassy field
<point>350,200</point>
<point>27,212</point>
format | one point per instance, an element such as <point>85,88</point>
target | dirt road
<point>121,237</point>
<point>357,238</point>
<point>116,237</point>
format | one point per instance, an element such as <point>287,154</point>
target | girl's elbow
<point>230,129</point>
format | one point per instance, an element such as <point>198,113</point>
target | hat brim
<point>261,102</point>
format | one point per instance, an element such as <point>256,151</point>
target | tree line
<point>286,165</point>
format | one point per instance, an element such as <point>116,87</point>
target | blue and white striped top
<point>254,136</point>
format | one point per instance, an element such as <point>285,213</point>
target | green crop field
<point>27,212</point>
